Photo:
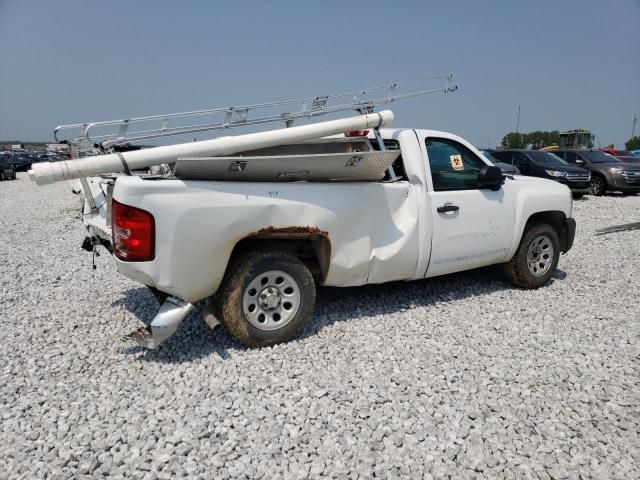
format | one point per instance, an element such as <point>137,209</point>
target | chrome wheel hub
<point>271,300</point>
<point>540,256</point>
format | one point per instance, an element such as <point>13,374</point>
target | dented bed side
<point>372,228</point>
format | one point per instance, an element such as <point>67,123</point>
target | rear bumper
<point>568,235</point>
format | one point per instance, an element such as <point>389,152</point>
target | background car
<point>21,161</point>
<point>624,155</point>
<point>7,172</point>
<point>608,173</point>
<point>506,168</point>
<point>546,165</point>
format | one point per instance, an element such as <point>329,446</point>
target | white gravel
<point>456,377</point>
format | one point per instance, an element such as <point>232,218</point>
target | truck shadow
<point>194,339</point>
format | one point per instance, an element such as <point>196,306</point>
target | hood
<point>630,160</point>
<point>566,168</point>
<point>633,167</point>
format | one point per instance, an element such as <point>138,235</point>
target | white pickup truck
<point>255,243</point>
<point>260,248</point>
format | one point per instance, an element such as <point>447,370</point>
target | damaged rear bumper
<point>171,314</point>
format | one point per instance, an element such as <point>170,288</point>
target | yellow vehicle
<point>550,148</point>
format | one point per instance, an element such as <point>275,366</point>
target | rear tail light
<point>356,133</point>
<point>133,232</point>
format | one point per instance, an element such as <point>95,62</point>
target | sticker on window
<point>456,162</point>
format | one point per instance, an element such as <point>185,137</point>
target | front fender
<point>537,196</point>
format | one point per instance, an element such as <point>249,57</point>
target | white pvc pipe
<point>46,173</point>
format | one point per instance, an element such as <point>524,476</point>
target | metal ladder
<point>108,134</point>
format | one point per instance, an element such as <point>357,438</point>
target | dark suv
<point>7,171</point>
<point>607,172</point>
<point>545,165</point>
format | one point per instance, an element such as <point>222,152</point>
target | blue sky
<point>569,64</point>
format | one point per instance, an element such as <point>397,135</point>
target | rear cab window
<point>398,164</point>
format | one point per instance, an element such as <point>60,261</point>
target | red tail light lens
<point>357,133</point>
<point>133,233</point>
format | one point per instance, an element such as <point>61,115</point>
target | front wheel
<point>597,186</point>
<point>267,298</point>
<point>536,259</point>
<point>1,176</point>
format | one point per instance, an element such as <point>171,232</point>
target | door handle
<point>448,207</point>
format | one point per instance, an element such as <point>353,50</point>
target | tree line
<point>633,143</point>
<point>539,139</point>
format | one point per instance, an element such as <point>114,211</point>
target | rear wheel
<point>597,186</point>
<point>536,259</point>
<point>267,298</point>
<point>2,177</point>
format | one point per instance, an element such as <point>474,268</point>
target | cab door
<point>472,226</point>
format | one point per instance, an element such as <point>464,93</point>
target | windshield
<point>599,157</point>
<point>545,159</point>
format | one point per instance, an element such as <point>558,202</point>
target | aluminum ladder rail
<point>238,116</point>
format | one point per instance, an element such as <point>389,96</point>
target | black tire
<point>235,294</point>
<point>2,177</point>
<point>598,186</point>
<point>578,196</point>
<point>518,269</point>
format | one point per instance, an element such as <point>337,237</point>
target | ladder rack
<point>118,132</point>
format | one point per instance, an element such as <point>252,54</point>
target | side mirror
<point>491,177</point>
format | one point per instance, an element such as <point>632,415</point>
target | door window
<point>503,156</point>
<point>453,166</point>
<point>520,160</point>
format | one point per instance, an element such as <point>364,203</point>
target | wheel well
<point>309,244</point>
<point>600,176</point>
<point>554,218</point>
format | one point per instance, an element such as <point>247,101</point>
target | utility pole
<point>635,120</point>
<point>518,128</point>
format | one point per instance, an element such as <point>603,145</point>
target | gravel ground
<point>456,377</point>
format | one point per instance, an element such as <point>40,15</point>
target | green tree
<point>632,143</point>
<point>513,140</point>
